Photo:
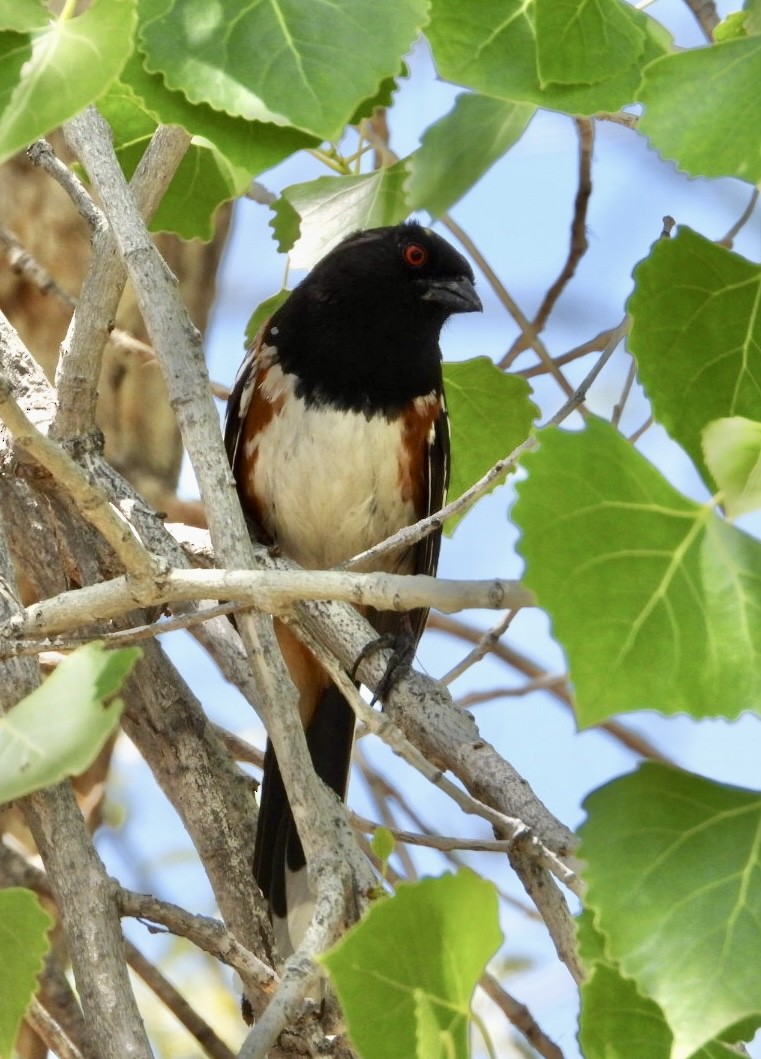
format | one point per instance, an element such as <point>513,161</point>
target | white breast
<point>329,479</point>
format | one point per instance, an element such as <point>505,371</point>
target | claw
<point>402,646</point>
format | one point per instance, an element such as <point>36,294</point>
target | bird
<point>337,435</point>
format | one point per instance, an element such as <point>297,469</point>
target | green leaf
<point>656,600</point>
<point>673,867</point>
<point>382,844</point>
<point>276,61</point>
<point>410,966</point>
<point>73,61</point>
<point>330,208</point>
<point>384,97</point>
<point>285,224</point>
<point>731,28</point>
<point>490,414</point>
<point>617,1022</point>
<point>589,941</point>
<point>492,47</point>
<point>434,1039</point>
<point>696,336</point>
<point>250,145</point>
<point>263,312</point>
<point>204,179</point>
<point>716,133</point>
<point>752,12</point>
<point>733,453</point>
<point>15,51</point>
<point>24,927</point>
<point>584,43</point>
<point>451,158</point>
<point>58,730</point>
<point>22,16</point>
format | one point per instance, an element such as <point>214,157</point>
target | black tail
<point>278,855</point>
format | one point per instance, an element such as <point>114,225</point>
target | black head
<point>362,330</point>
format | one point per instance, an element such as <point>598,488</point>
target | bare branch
<point>554,684</point>
<point>528,331</point>
<point>706,15</point>
<point>577,246</point>
<point>521,1018</point>
<point>207,934</point>
<point>21,261</point>
<point>42,154</point>
<point>78,878</point>
<point>483,647</point>
<point>177,1004</point>
<point>79,365</point>
<point>53,1034</point>
<point>742,220</point>
<point>270,591</point>
<point>337,871</point>
<point>592,345</point>
<point>91,500</point>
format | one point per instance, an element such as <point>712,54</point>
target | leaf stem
<point>67,11</point>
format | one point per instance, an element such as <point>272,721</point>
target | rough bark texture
<point>142,440</point>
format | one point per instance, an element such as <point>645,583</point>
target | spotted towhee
<point>337,434</point>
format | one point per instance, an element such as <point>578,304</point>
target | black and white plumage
<point>337,434</point>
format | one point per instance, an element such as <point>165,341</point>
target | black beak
<point>456,295</point>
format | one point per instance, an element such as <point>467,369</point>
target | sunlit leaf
<point>655,599</point>
<point>330,208</point>
<point>490,414</point>
<point>282,63</point>
<point>72,61</point>
<point>696,336</point>
<point>58,730</point>
<point>716,133</point>
<point>673,868</point>
<point>405,974</point>
<point>492,47</point>
<point>733,453</point>
<point>24,927</point>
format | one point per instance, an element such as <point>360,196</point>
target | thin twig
<point>592,345</point>
<point>483,647</point>
<point>618,409</point>
<point>175,1002</point>
<point>42,154</point>
<point>617,336</point>
<point>620,117</point>
<point>528,331</point>
<point>554,685</point>
<point>577,244</point>
<point>520,1016</point>
<point>19,648</point>
<point>21,261</point>
<point>51,1032</point>
<point>637,434</point>
<point>477,698</point>
<point>207,934</point>
<point>742,220</point>
<point>442,843</point>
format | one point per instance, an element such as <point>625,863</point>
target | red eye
<point>415,255</point>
